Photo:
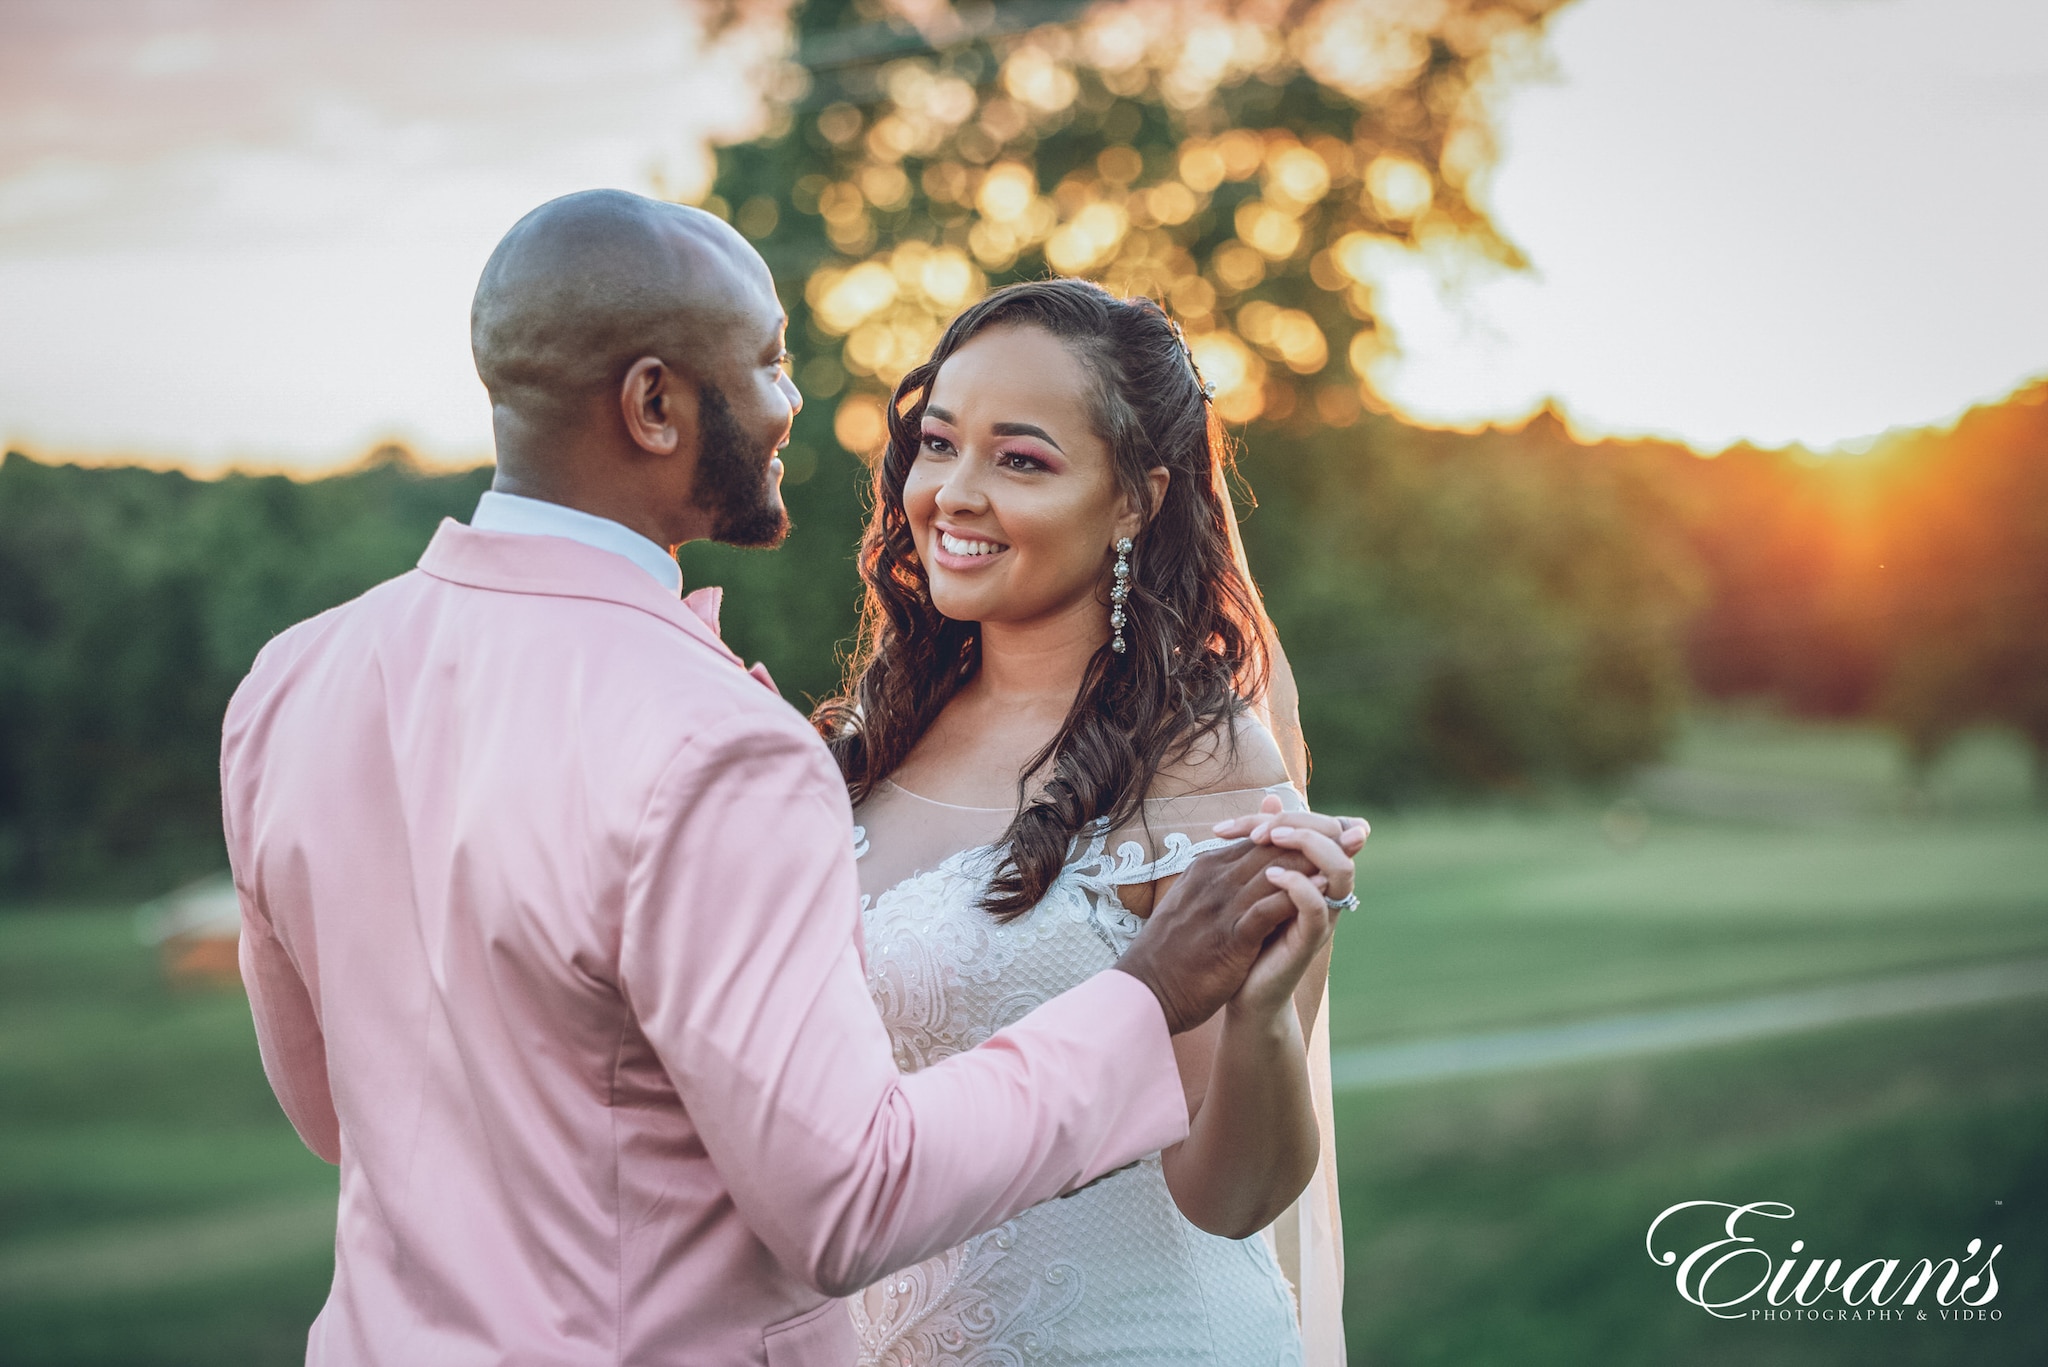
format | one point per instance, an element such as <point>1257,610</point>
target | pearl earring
<point>1120,593</point>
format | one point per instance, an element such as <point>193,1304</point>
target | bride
<point>1061,691</point>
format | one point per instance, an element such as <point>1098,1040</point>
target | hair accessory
<point>1208,387</point>
<point>1120,593</point>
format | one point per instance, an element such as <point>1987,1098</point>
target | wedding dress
<point>1112,1272</point>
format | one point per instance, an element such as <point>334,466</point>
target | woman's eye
<point>936,444</point>
<point>1017,460</point>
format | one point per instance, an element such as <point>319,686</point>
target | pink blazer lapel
<point>509,562</point>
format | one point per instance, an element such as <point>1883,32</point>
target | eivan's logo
<point>1715,1276</point>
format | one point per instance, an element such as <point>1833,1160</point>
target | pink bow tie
<point>705,602</point>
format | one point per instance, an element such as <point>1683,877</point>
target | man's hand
<point>1204,935</point>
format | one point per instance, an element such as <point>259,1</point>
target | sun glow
<point>1748,221</point>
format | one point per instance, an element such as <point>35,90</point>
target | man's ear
<point>659,408</point>
<point>1156,480</point>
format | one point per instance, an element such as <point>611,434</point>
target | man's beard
<point>731,483</point>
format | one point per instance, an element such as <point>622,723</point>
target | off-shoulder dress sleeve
<point>1308,1238</point>
<point>1170,833</point>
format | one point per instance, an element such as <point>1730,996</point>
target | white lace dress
<point>1111,1273</point>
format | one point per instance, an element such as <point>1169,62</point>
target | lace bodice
<point>1110,1273</point>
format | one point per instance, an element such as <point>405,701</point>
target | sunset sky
<point>247,231</point>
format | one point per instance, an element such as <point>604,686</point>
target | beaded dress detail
<point>1112,1273</point>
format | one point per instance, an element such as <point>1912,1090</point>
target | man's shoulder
<point>727,718</point>
<point>667,681</point>
<point>657,676</point>
<point>690,671</point>
<point>290,645</point>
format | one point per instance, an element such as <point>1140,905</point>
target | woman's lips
<point>953,551</point>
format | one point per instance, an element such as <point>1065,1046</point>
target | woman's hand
<point>1348,831</point>
<point>1252,1134</point>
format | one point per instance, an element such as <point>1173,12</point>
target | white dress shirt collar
<point>501,512</point>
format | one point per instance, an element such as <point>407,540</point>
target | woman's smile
<point>1012,496</point>
<point>957,550</point>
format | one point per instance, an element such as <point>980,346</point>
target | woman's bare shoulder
<point>1230,760</point>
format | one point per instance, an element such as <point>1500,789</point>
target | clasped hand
<point>1244,923</point>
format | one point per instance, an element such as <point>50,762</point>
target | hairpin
<point>1208,387</point>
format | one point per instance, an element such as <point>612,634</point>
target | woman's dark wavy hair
<point>1195,628</point>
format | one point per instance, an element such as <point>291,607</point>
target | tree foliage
<point>1909,583</point>
<point>131,604</point>
<point>1462,613</point>
<point>1465,612</point>
<point>1964,569</point>
<point>1471,613</point>
<point>1254,166</point>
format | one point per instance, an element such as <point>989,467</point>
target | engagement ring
<point>1348,902</point>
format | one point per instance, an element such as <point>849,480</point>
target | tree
<point>1964,551</point>
<point>1255,167</point>
<point>131,604</point>
<point>1476,611</point>
<point>1796,610</point>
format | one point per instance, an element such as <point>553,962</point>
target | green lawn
<point>155,1208</point>
<point>1805,866</point>
<point>1501,1220</point>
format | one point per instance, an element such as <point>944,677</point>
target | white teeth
<point>958,546</point>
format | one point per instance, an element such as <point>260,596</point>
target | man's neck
<point>597,501</point>
<point>579,466</point>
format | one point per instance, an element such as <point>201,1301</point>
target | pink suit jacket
<point>551,934</point>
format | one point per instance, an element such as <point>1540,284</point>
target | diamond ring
<point>1348,902</point>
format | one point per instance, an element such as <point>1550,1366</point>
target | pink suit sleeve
<point>287,1027</point>
<point>740,958</point>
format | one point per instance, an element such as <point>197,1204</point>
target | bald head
<point>587,284</point>
<point>634,354</point>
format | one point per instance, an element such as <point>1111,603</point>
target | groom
<point>549,908</point>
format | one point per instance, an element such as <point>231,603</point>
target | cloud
<point>247,230</point>
<point>273,214</point>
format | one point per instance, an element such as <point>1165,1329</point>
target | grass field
<point>155,1208</point>
<point>1502,1219</point>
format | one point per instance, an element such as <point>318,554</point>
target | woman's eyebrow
<point>1001,429</point>
<point>1027,429</point>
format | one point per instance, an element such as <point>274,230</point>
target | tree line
<point>1466,614</point>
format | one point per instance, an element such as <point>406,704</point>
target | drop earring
<point>1120,594</point>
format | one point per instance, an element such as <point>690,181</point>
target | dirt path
<point>157,1253</point>
<point>1689,1027</point>
<point>146,1255</point>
